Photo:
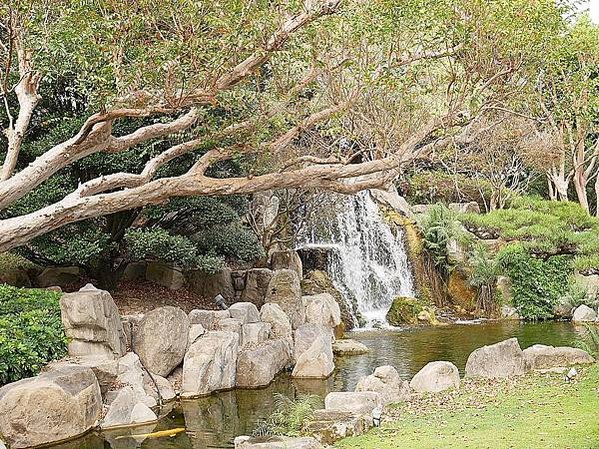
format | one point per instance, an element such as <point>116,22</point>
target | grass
<point>533,411</point>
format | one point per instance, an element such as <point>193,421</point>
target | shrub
<point>589,341</point>
<point>31,332</point>
<point>289,415</point>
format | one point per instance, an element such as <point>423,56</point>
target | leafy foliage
<point>589,341</point>
<point>289,415</point>
<point>31,332</point>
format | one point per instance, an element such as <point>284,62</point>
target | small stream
<point>214,421</point>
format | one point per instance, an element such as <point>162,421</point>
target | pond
<point>214,421</point>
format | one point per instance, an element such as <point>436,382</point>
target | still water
<point>214,421</point>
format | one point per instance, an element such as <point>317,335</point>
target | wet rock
<point>386,382</point>
<point>256,285</point>
<point>92,322</point>
<point>348,346</point>
<point>210,364</point>
<point>286,260</point>
<point>165,275</point>
<point>276,442</point>
<point>278,320</point>
<point>317,361</point>
<point>208,318</point>
<point>435,377</point>
<point>53,406</point>
<point>329,426</point>
<point>583,314</point>
<point>210,285</point>
<point>246,312</point>
<point>257,366</point>
<point>546,357</point>
<point>502,359</point>
<point>356,402</point>
<point>255,333</point>
<point>322,309</point>
<point>126,410</point>
<point>161,339</point>
<point>405,310</point>
<point>284,290</point>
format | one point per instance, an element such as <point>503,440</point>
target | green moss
<point>406,310</point>
<point>536,411</point>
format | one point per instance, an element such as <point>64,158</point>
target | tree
<point>170,65</point>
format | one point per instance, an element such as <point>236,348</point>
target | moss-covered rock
<point>460,292</point>
<point>407,310</point>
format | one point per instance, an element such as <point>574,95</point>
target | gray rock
<point>386,382</point>
<point>502,359</point>
<point>165,275</point>
<point>209,285</point>
<point>284,289</point>
<point>106,370</point>
<point>210,364</point>
<point>583,314</point>
<point>60,404</point>
<point>232,325</point>
<point>306,334</point>
<point>195,332</point>
<point>347,346</point>
<point>245,311</point>
<point>130,323</point>
<point>255,333</point>
<point>322,309</point>
<point>286,260</point>
<point>563,310</point>
<point>58,276</point>
<point>92,322</point>
<point>276,442</point>
<point>258,366</point>
<point>208,318</point>
<point>135,271</point>
<point>161,339</point>
<point>421,208</point>
<point>256,285</point>
<point>329,426</point>
<point>278,319</point>
<point>317,361</point>
<point>356,402</point>
<point>470,207</point>
<point>126,410</point>
<point>547,357</point>
<point>509,313</point>
<point>435,377</point>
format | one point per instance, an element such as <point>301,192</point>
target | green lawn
<point>534,411</point>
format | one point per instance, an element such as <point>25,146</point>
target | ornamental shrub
<point>31,332</point>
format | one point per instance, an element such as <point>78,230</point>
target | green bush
<point>537,284</point>
<point>31,332</point>
<point>289,415</point>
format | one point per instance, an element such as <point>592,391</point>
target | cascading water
<point>368,261</point>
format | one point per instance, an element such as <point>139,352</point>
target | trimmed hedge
<point>31,332</point>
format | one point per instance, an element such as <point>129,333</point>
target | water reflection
<point>214,421</point>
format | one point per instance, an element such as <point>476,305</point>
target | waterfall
<point>369,261</point>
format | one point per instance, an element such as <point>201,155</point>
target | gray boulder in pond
<point>92,321</point>
<point>258,366</point>
<point>127,410</point>
<point>53,406</point>
<point>317,362</point>
<point>435,377</point>
<point>280,325</point>
<point>385,381</point>
<point>276,442</point>
<point>284,289</point>
<point>502,359</point>
<point>322,309</point>
<point>584,314</point>
<point>547,357</point>
<point>161,339</point>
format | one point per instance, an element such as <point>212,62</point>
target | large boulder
<point>161,339</point>
<point>256,285</point>
<point>58,276</point>
<point>255,333</point>
<point>167,276</point>
<point>407,310</point>
<point>356,402</point>
<point>470,207</point>
<point>386,382</point>
<point>317,361</point>
<point>126,410</point>
<point>280,325</point>
<point>329,426</point>
<point>92,323</point>
<point>547,357</point>
<point>209,285</point>
<point>106,370</point>
<point>584,314</point>
<point>232,325</point>
<point>563,310</point>
<point>347,346</point>
<point>210,364</point>
<point>53,406</point>
<point>257,366</point>
<point>245,311</point>
<point>284,290</point>
<point>322,309</point>
<point>502,359</point>
<point>286,259</point>
<point>435,377</point>
<point>306,334</point>
<point>276,442</point>
<point>209,319</point>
